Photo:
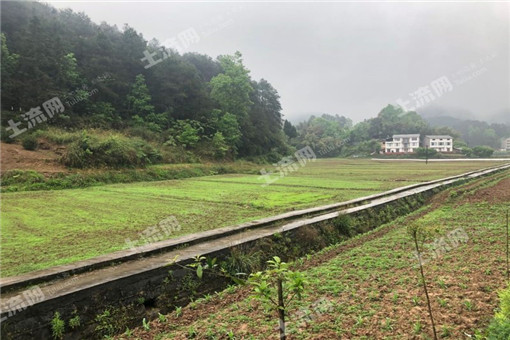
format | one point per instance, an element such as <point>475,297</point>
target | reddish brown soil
<point>494,194</point>
<point>43,160</point>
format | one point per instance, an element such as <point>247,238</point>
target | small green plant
<point>231,289</point>
<point>162,318</point>
<point>468,304</point>
<point>395,298</point>
<point>192,332</point>
<point>128,332</point>
<point>446,331</point>
<point>499,327</point>
<point>276,288</point>
<point>104,324</point>
<point>57,326</point>
<point>417,327</point>
<point>146,325</point>
<point>487,289</point>
<point>269,289</point>
<point>360,320</point>
<point>442,302</point>
<point>388,324</point>
<point>141,300</point>
<point>416,300</point>
<point>178,311</point>
<point>441,284</point>
<point>75,322</point>
<point>230,335</point>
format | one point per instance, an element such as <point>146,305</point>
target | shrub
<point>144,133</point>
<point>57,326</point>
<point>344,225</point>
<point>75,322</point>
<point>499,328</point>
<point>187,132</point>
<point>29,142</point>
<point>4,135</point>
<point>483,151</point>
<point>219,145</point>
<point>21,177</point>
<point>58,136</point>
<point>114,150</point>
<point>426,152</point>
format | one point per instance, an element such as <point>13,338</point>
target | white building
<point>403,144</point>
<point>441,143</point>
<point>505,144</point>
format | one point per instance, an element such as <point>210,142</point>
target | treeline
<point>474,132</point>
<point>336,136</point>
<point>189,101</point>
<point>116,111</point>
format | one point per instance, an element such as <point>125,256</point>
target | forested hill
<point>98,74</point>
<point>116,111</point>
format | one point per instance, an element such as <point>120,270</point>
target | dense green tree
<point>425,152</point>
<point>326,134</point>
<point>289,129</point>
<point>227,125</point>
<point>187,132</point>
<point>191,100</point>
<point>231,89</point>
<point>8,65</point>
<point>262,129</point>
<point>483,151</point>
<point>139,99</point>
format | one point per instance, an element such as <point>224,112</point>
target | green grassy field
<point>41,229</point>
<point>369,287</point>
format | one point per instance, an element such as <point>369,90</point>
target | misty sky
<point>345,58</point>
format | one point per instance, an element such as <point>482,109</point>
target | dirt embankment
<point>44,160</point>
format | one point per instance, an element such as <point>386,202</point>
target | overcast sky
<point>345,58</point>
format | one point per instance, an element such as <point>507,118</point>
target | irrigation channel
<point>116,281</point>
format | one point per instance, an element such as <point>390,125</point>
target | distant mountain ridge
<point>473,132</point>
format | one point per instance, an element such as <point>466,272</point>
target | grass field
<point>369,288</point>
<point>41,229</point>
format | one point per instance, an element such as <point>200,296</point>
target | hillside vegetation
<point>116,111</point>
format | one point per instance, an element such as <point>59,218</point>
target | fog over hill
<point>349,59</point>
